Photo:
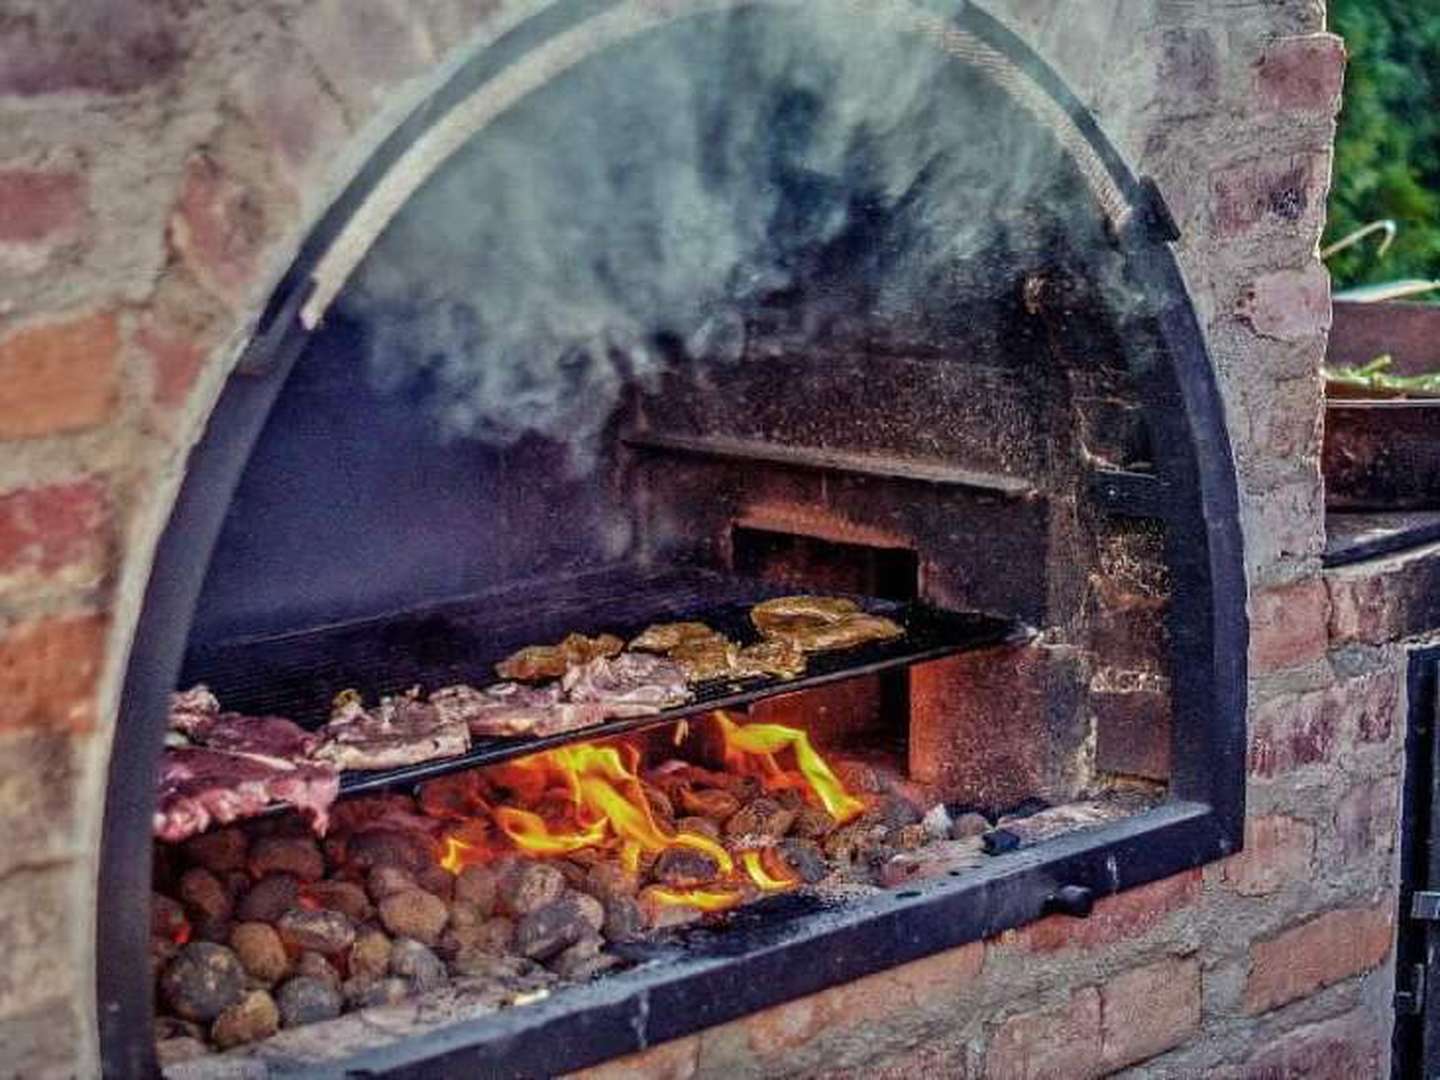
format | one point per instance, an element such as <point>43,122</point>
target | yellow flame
<point>760,876</point>
<point>763,741</point>
<point>530,832</point>
<point>704,899</point>
<point>454,859</point>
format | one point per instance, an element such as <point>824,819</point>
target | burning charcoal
<point>893,812</point>
<point>699,826</point>
<point>760,817</point>
<point>418,966</point>
<point>269,898</point>
<point>261,952</point>
<point>370,954</point>
<point>662,915</point>
<point>968,825</point>
<point>709,803</point>
<point>437,881</point>
<point>204,896</point>
<point>203,981</point>
<point>477,885</point>
<point>583,960</point>
<point>386,881</point>
<point>253,1018</point>
<point>364,992</point>
<point>796,858</point>
<point>853,843</point>
<point>659,802</point>
<point>608,880</point>
<point>182,1048</point>
<point>312,965</point>
<point>574,873</point>
<point>298,855</point>
<point>624,919</point>
<point>480,963</point>
<point>389,847</point>
<point>469,929</point>
<point>327,932</point>
<point>813,823</point>
<point>548,930</point>
<point>358,815</point>
<point>214,930</point>
<point>457,797</point>
<point>527,886</point>
<point>220,850</point>
<point>167,919</point>
<point>683,867</point>
<point>303,1000</point>
<point>415,914</point>
<point>343,896</point>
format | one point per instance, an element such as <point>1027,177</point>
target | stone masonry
<point>163,160</point>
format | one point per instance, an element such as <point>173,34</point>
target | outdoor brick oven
<point>1095,450</point>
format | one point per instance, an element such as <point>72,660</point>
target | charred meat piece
<point>812,636</point>
<point>510,708</point>
<point>399,731</point>
<point>773,656</point>
<point>200,786</point>
<point>708,658</point>
<point>782,609</point>
<point>817,623</point>
<point>663,637</point>
<point>631,684</point>
<point>536,662</point>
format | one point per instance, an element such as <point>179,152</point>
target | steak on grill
<point>511,708</point>
<point>536,662</point>
<point>201,786</point>
<point>399,731</point>
<point>632,684</point>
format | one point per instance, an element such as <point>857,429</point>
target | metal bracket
<point>1425,906</point>
<point>1411,1002</point>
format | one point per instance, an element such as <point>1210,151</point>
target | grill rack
<point>296,675</point>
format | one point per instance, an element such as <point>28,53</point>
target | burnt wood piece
<point>1356,537</point>
<point>298,674</point>
<point>1382,455</point>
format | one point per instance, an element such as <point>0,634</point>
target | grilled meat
<point>811,635</point>
<point>192,709</point>
<point>631,684</point>
<point>663,637</point>
<point>773,656</point>
<point>511,708</point>
<point>783,609</point>
<point>536,662</point>
<point>399,731</point>
<point>200,786</point>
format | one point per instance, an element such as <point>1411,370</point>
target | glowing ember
<point>761,742</point>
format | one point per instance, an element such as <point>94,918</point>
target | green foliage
<point>1387,157</point>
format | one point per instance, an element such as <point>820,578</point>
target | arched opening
<point>641,303</point>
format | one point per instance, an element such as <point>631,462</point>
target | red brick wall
<point>161,164</point>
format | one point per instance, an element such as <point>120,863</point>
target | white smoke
<point>638,211</point>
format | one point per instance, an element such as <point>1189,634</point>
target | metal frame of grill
<point>787,953</point>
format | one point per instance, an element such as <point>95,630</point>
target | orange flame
<point>763,741</point>
<point>590,795</point>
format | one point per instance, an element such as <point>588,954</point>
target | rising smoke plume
<point>639,211</point>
